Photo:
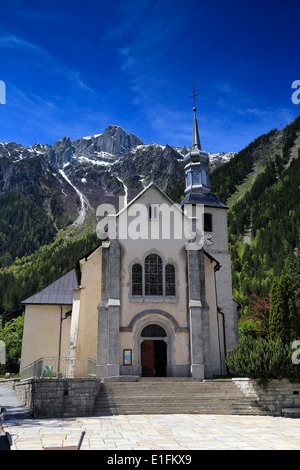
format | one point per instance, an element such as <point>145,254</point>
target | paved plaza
<point>148,432</point>
<point>158,432</point>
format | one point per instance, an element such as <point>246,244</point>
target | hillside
<point>261,187</point>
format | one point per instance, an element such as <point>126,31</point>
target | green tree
<point>11,334</point>
<point>283,313</point>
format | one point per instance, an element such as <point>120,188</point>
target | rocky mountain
<point>86,172</point>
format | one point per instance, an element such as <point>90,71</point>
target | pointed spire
<point>196,162</point>
<point>196,139</point>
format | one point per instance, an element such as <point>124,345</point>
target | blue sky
<point>71,68</point>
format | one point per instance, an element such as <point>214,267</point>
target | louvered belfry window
<point>153,275</point>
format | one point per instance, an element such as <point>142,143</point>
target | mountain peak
<point>114,140</point>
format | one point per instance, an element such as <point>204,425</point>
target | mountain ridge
<point>94,169</point>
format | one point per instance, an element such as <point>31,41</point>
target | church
<point>153,299</point>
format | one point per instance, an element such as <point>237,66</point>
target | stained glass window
<point>157,282</point>
<point>170,280</point>
<point>153,331</point>
<point>137,279</point>
<point>153,275</point>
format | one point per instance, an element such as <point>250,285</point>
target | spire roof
<point>196,139</point>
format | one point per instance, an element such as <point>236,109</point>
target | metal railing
<point>62,367</point>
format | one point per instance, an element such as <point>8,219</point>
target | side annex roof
<point>60,292</point>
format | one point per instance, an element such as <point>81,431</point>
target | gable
<point>151,215</point>
<point>146,194</point>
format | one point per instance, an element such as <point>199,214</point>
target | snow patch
<point>83,201</point>
<point>91,136</point>
<point>93,162</point>
<point>125,189</point>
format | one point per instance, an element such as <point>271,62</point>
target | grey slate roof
<point>207,199</point>
<point>58,293</point>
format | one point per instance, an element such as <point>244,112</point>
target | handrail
<point>60,367</point>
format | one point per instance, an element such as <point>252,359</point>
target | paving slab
<point>151,432</point>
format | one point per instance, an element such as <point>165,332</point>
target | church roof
<point>207,199</point>
<point>60,292</point>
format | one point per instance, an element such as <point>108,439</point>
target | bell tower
<point>198,193</point>
<point>196,162</point>
<point>211,215</point>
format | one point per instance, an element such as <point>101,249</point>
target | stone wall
<point>47,398</point>
<point>9,383</point>
<point>280,397</point>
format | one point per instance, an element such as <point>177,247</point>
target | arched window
<point>170,280</point>
<point>153,331</point>
<point>153,275</point>
<point>188,179</point>
<point>137,279</point>
<point>196,177</point>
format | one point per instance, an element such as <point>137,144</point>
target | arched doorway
<point>153,351</point>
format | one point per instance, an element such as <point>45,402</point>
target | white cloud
<point>51,63</point>
<point>15,42</point>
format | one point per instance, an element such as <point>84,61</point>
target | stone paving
<point>158,432</point>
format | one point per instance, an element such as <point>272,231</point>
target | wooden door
<point>160,359</point>
<point>147,358</point>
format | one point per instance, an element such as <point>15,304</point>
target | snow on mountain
<point>216,159</point>
<point>94,169</point>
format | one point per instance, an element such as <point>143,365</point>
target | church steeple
<point>196,162</point>
<point>196,139</point>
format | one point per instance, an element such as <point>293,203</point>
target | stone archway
<point>162,345</point>
<point>153,351</point>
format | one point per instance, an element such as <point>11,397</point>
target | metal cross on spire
<point>194,96</point>
<point>196,139</point>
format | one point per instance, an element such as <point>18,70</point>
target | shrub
<point>263,360</point>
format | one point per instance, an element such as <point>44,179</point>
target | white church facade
<point>154,298</point>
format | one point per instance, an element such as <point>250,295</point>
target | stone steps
<point>174,396</point>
